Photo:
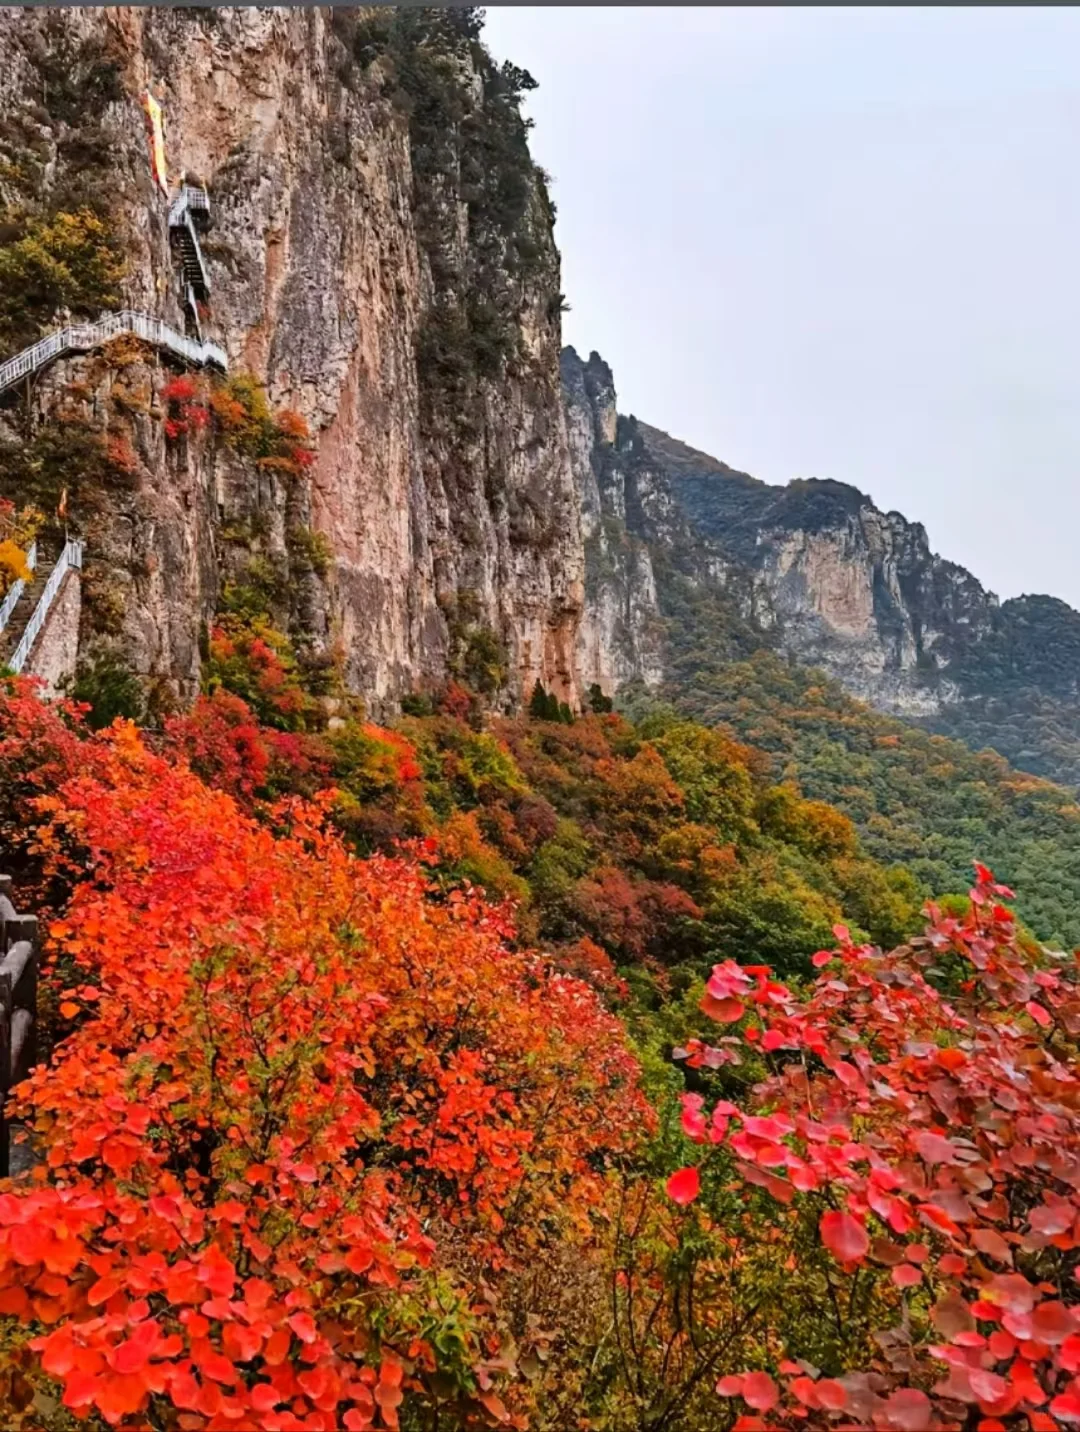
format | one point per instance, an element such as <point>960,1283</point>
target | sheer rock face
<point>814,568</point>
<point>321,284</point>
<point>839,583</point>
<point>619,639</point>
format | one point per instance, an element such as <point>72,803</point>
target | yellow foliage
<point>13,566</point>
<point>464,846</point>
<point>17,532</point>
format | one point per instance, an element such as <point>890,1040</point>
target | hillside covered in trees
<point>389,1086</point>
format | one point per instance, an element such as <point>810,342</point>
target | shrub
<point>278,441</point>
<point>67,261</point>
<point>18,529</point>
<point>255,662</point>
<point>598,702</point>
<point>544,705</point>
<point>912,1144</point>
<point>185,404</point>
<point>310,1120</point>
<point>311,549</point>
<point>109,688</point>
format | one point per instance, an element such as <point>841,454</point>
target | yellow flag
<point>61,510</point>
<point>157,141</point>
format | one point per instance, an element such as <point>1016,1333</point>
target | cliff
<point>399,472</point>
<point>716,565</point>
<point>619,639</point>
<point>380,257</point>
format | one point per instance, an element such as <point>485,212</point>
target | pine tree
<point>538,703</point>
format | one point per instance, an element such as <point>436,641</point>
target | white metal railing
<point>193,305</point>
<point>191,197</point>
<point>70,557</point>
<point>15,591</point>
<point>81,337</point>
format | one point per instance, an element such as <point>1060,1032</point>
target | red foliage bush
<point>185,401</point>
<point>923,1116</point>
<point>309,1106</point>
<point>636,916</point>
<point>456,700</point>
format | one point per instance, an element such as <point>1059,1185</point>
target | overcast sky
<point>834,243</point>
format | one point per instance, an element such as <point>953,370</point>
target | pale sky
<point>834,243</point>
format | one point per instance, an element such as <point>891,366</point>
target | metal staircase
<point>30,610</point>
<point>54,573</point>
<point>22,612</point>
<point>25,607</point>
<point>189,215</point>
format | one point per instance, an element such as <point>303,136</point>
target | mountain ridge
<point>814,568</point>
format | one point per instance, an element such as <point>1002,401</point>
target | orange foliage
<point>302,1085</point>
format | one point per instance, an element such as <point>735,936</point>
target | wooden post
<point>18,1007</point>
<point>6,913</point>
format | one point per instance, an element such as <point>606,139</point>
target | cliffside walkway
<point>15,591</point>
<point>34,617</point>
<point>82,337</point>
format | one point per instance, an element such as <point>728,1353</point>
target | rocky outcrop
<point>844,586</point>
<point>381,257</point>
<point>714,564</point>
<point>620,637</point>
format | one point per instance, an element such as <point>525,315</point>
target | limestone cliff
<point>713,564</point>
<point>619,639</point>
<point>381,258</point>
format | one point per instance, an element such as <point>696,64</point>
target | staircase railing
<point>15,591</point>
<point>193,308</point>
<point>186,229</point>
<point>191,198</point>
<point>70,557</point>
<point>188,210</point>
<point>18,1006</point>
<point>81,337</point>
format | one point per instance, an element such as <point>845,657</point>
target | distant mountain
<point>690,562</point>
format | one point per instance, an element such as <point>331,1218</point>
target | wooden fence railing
<point>18,1006</point>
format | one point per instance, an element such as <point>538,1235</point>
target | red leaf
<point>683,1187</point>
<point>906,1276</point>
<point>990,1242</point>
<point>1066,1408</point>
<point>831,1394</point>
<point>1052,1323</point>
<point>844,1237</point>
<point>908,1409</point>
<point>724,1011</point>
<point>934,1149</point>
<point>303,1325</point>
<point>759,1391</point>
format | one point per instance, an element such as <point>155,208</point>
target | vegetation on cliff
<point>468,145</point>
<point>914,797</point>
